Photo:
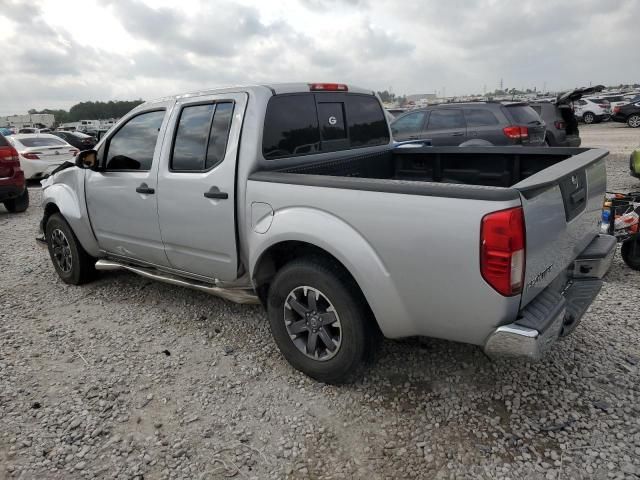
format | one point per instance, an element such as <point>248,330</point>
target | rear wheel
<point>72,263</point>
<point>319,320</point>
<point>631,252</point>
<point>588,118</point>
<point>634,121</point>
<point>19,204</point>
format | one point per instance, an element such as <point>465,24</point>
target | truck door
<point>197,185</point>
<point>121,197</point>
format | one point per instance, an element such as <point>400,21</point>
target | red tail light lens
<point>30,156</point>
<point>502,250</point>
<point>9,154</point>
<point>328,87</point>
<point>616,109</point>
<point>559,125</point>
<point>515,132</point>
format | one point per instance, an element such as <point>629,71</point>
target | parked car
<point>560,120</point>
<point>629,114</point>
<point>615,100</point>
<point>294,196</point>
<point>79,140</point>
<point>591,111</point>
<point>486,123</point>
<point>6,131</point>
<point>40,154</point>
<point>34,130</point>
<point>560,132</point>
<point>13,190</point>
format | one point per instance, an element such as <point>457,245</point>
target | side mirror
<point>87,159</point>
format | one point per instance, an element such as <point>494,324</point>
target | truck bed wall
<point>486,166</point>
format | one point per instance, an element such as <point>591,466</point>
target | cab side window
<point>201,137</point>
<point>133,145</point>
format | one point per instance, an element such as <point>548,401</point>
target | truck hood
<point>573,95</point>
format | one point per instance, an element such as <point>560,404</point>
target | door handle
<point>144,188</point>
<point>457,134</point>
<point>214,192</point>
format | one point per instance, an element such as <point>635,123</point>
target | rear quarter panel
<point>416,258</point>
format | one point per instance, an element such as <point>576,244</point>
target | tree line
<point>91,110</point>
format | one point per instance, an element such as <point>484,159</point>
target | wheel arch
<point>345,247</point>
<point>62,199</point>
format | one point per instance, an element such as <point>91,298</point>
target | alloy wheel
<point>61,250</point>
<point>634,121</point>
<point>312,323</point>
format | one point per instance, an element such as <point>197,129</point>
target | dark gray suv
<point>477,123</point>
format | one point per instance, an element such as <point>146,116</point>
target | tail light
<point>616,109</point>
<point>328,87</point>
<point>9,154</point>
<point>30,156</point>
<point>559,125</point>
<point>516,133</point>
<point>502,250</point>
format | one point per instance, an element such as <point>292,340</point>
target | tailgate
<point>562,210</point>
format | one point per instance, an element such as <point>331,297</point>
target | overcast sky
<point>56,53</point>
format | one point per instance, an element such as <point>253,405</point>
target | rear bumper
<point>9,192</point>
<point>555,313</point>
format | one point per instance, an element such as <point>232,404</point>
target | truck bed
<point>485,166</point>
<point>420,210</point>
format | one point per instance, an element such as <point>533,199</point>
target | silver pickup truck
<point>294,196</point>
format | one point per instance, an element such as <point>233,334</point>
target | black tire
<point>631,252</point>
<point>72,263</point>
<point>19,204</point>
<point>588,118</point>
<point>359,336</point>
<point>634,120</point>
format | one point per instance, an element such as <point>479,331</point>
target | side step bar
<point>237,295</point>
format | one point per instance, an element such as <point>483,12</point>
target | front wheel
<point>320,321</point>
<point>72,263</point>
<point>634,121</point>
<point>588,118</point>
<point>630,252</point>
<point>19,204</point>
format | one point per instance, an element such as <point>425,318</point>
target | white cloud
<point>108,49</point>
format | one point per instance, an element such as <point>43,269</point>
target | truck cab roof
<point>272,88</point>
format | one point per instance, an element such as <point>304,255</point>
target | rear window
<point>302,124</point>
<point>41,142</point>
<point>477,117</point>
<point>616,99</point>
<point>523,114</point>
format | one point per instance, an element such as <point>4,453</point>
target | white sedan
<point>41,153</point>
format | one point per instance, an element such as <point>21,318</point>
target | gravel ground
<point>126,378</point>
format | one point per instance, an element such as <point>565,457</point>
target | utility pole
<point>501,84</point>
